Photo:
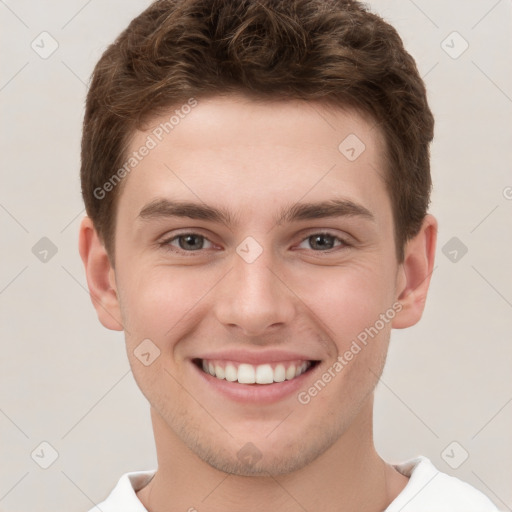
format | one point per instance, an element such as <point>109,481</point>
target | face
<point>250,245</point>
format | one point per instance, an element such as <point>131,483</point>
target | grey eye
<point>189,242</point>
<point>321,241</point>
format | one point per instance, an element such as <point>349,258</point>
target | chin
<point>261,457</point>
<point>268,465</point>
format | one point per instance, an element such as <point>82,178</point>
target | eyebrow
<point>161,208</point>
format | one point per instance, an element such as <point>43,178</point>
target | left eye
<point>189,242</point>
<point>322,241</point>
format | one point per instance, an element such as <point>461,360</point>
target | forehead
<point>253,155</point>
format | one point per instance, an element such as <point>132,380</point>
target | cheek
<point>347,300</point>
<point>157,301</point>
<point>157,305</point>
<point>354,308</point>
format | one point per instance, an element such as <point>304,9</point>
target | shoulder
<point>124,498</point>
<point>430,489</point>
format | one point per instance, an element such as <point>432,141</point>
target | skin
<point>254,159</point>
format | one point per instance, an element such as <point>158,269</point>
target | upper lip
<point>255,357</point>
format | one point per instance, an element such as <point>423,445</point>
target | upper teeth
<point>250,374</point>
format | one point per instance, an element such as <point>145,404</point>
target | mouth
<point>252,374</point>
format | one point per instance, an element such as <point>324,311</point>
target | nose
<point>254,298</point>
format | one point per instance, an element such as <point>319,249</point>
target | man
<point>256,177</point>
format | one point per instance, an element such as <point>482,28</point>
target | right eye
<point>186,242</point>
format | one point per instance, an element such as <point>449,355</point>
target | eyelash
<point>166,244</point>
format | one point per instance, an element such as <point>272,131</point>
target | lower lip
<point>257,393</point>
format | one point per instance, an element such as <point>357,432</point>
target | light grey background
<point>65,380</point>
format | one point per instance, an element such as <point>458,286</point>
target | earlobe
<point>414,275</point>
<point>100,276</point>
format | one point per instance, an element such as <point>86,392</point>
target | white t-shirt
<point>428,490</point>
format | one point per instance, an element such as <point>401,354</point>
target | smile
<point>245,373</point>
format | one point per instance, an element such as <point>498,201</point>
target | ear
<point>100,276</point>
<point>413,277</point>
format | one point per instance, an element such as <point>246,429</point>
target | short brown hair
<point>322,50</point>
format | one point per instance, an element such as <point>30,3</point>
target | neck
<point>349,476</point>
